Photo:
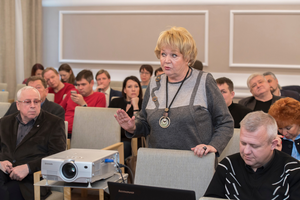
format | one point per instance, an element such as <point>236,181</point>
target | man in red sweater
<point>55,85</point>
<point>84,96</point>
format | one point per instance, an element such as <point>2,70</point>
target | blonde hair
<point>178,37</point>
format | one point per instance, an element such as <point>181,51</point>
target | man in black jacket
<point>26,137</point>
<point>237,111</point>
<point>40,84</point>
<point>262,97</point>
<point>276,89</point>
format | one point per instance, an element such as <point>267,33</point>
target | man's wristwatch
<point>85,105</point>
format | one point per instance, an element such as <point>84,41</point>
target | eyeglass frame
<point>29,103</point>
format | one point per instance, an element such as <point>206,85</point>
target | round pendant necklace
<point>165,121</point>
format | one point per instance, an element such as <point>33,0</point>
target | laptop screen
<point>122,191</point>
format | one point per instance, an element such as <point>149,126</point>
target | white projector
<point>80,165</point>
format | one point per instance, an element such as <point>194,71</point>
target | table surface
<point>101,184</point>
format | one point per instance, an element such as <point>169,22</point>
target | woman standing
<point>130,102</point>
<point>183,108</point>
<point>286,112</point>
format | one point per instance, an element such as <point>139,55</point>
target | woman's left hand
<point>203,149</point>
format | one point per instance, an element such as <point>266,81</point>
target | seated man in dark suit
<point>103,80</point>
<point>262,97</point>
<point>259,171</point>
<point>237,111</point>
<point>40,84</point>
<point>25,138</point>
<point>275,87</point>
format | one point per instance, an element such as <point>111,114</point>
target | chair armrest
<point>134,146</point>
<point>36,178</point>
<point>68,144</point>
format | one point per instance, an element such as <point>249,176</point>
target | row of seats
<point>116,85</point>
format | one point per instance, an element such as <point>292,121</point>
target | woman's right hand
<point>125,121</point>
<point>135,103</point>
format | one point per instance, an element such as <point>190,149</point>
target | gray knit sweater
<point>198,114</point>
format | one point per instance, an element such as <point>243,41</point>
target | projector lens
<point>69,170</point>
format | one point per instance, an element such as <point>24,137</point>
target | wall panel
<point>124,37</point>
<point>265,38</point>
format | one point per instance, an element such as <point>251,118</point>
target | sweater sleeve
<point>216,187</point>
<point>221,118</point>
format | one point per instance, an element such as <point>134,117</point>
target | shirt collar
<point>19,118</point>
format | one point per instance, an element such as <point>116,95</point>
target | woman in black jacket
<point>131,103</point>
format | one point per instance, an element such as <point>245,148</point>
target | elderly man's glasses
<point>28,102</point>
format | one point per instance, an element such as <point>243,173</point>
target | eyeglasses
<point>145,73</point>
<point>28,102</point>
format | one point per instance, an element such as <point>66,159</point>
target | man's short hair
<point>86,74</point>
<point>198,65</point>
<point>271,74</point>
<point>222,80</point>
<point>158,70</point>
<point>257,119</point>
<point>253,76</point>
<point>37,78</point>
<point>101,72</point>
<point>27,88</point>
<point>48,69</point>
<point>148,68</point>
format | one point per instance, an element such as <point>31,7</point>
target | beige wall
<point>267,41</point>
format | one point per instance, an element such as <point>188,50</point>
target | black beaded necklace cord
<point>128,102</point>
<point>167,109</point>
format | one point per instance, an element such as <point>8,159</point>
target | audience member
<point>103,85</point>
<point>55,85</point>
<point>25,138</point>
<point>286,112</point>
<point>159,71</point>
<point>131,103</point>
<point>198,65</point>
<point>66,74</point>
<point>262,97</point>
<point>259,171</point>
<point>183,108</point>
<point>36,70</point>
<point>146,72</point>
<point>275,87</point>
<point>82,96</point>
<point>295,88</point>
<point>237,111</point>
<point>39,83</point>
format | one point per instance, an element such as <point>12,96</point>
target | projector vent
<point>97,166</point>
<point>51,177</point>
